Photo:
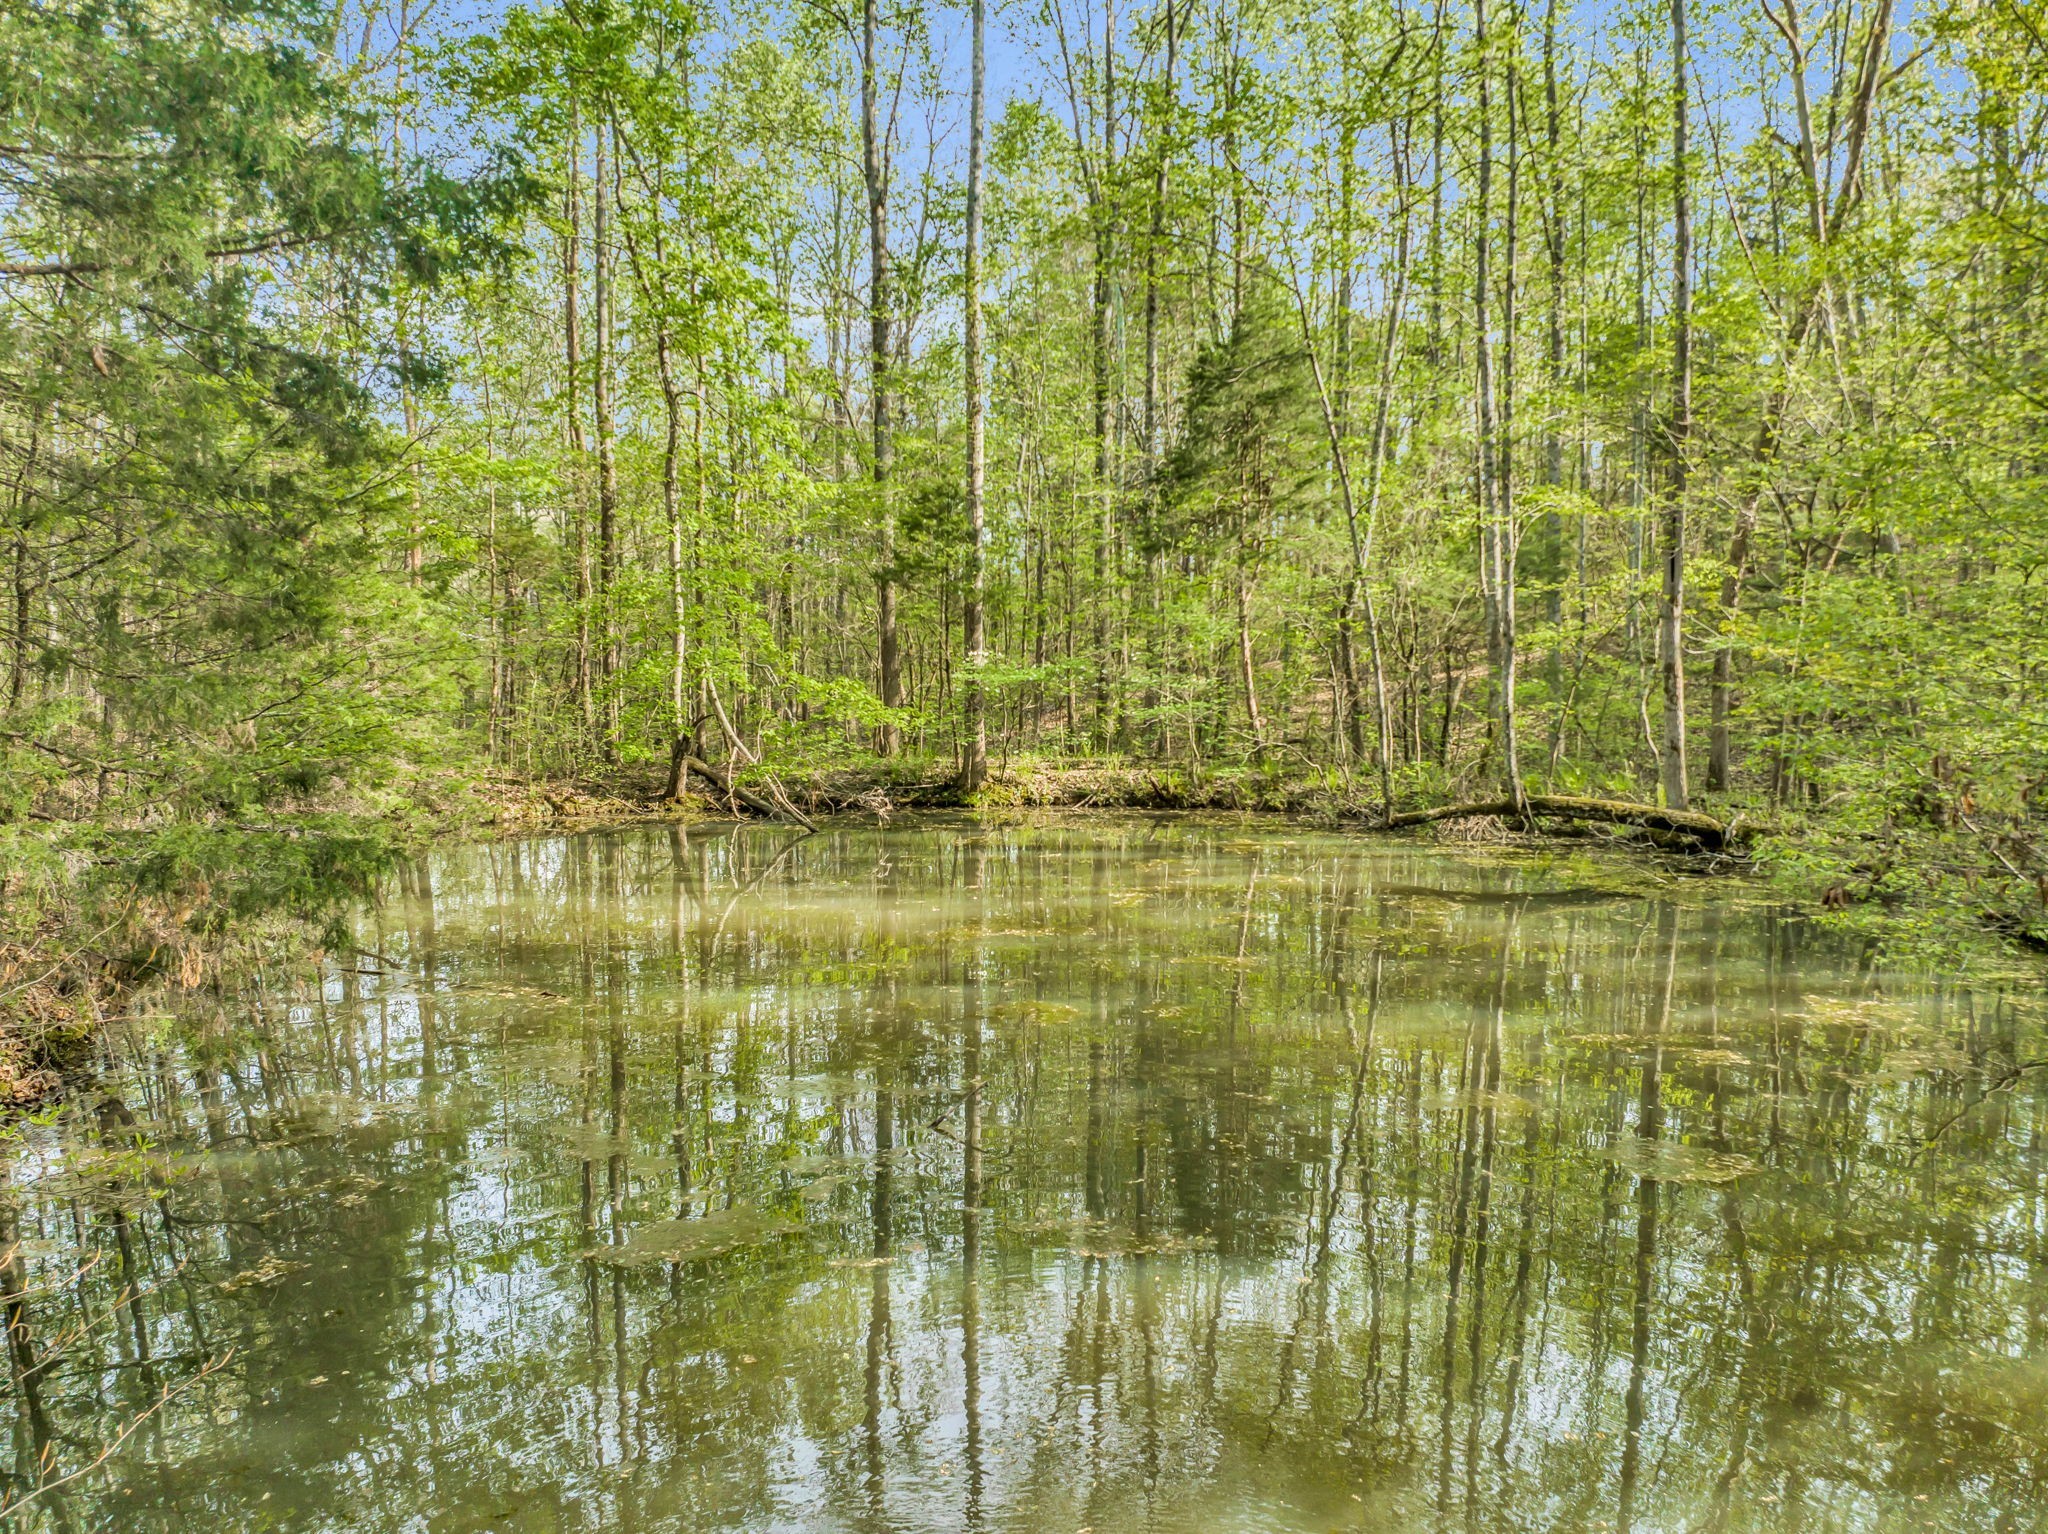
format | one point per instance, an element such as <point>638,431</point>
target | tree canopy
<point>1420,403</point>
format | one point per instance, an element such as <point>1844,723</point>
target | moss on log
<point>1704,829</point>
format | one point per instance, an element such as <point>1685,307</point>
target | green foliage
<point>1247,456</point>
<point>203,490</point>
<point>313,870</point>
<point>327,471</point>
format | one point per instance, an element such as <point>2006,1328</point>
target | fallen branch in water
<point>1704,829</point>
<point>732,790</point>
<point>2007,1080</point>
<point>788,805</point>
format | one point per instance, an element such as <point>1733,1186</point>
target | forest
<point>1381,409</point>
<point>1189,765</point>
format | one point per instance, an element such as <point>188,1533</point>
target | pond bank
<point>98,916</point>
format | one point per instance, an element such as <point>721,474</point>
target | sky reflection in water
<point>1120,1174</point>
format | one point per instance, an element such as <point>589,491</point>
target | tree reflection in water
<point>1113,1174</point>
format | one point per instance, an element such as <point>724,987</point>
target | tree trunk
<point>1719,749</point>
<point>572,347</point>
<point>974,764</point>
<point>1357,591</point>
<point>672,517</point>
<point>1245,667</point>
<point>494,718</point>
<point>607,448</point>
<point>1553,437</point>
<point>1705,830</point>
<point>24,584</point>
<point>1376,471</point>
<point>1154,428</point>
<point>875,177</point>
<point>1671,637</point>
<point>1105,532</point>
<point>1496,509</point>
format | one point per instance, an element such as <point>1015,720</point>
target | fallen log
<point>685,763</point>
<point>1704,829</point>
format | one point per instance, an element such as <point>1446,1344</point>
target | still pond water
<point>1111,1175</point>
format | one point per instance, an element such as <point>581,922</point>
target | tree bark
<point>974,764</point>
<point>23,582</point>
<point>1671,637</point>
<point>1155,445</point>
<point>1705,829</point>
<point>875,178</point>
<point>1246,669</point>
<point>607,447</point>
<point>1105,532</point>
<point>1554,249</point>
<point>572,348</point>
<point>1495,507</point>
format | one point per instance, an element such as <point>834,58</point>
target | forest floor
<point>887,788</point>
<point>882,790</point>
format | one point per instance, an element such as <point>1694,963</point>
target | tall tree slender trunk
<point>1720,748</point>
<point>875,178</point>
<point>1436,193</point>
<point>672,517</point>
<point>1105,532</point>
<point>654,285</point>
<point>17,668</point>
<point>1639,423</point>
<point>1508,544</point>
<point>1495,507</point>
<point>1247,671</point>
<point>1361,530</point>
<point>1376,470</point>
<point>1342,295</point>
<point>672,521</point>
<point>1671,638</point>
<point>415,550</point>
<point>494,718</point>
<point>700,474</point>
<point>1155,445</point>
<point>974,764</point>
<point>1154,241</point>
<point>572,348</point>
<point>1553,435</point>
<point>24,582</point>
<point>607,444</point>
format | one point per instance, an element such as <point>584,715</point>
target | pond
<point>1107,1174</point>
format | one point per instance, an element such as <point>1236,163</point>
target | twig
<point>781,797</point>
<point>163,1399</point>
<point>2005,1083</point>
<point>1992,848</point>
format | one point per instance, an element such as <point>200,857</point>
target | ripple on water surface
<point>1113,1174</point>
